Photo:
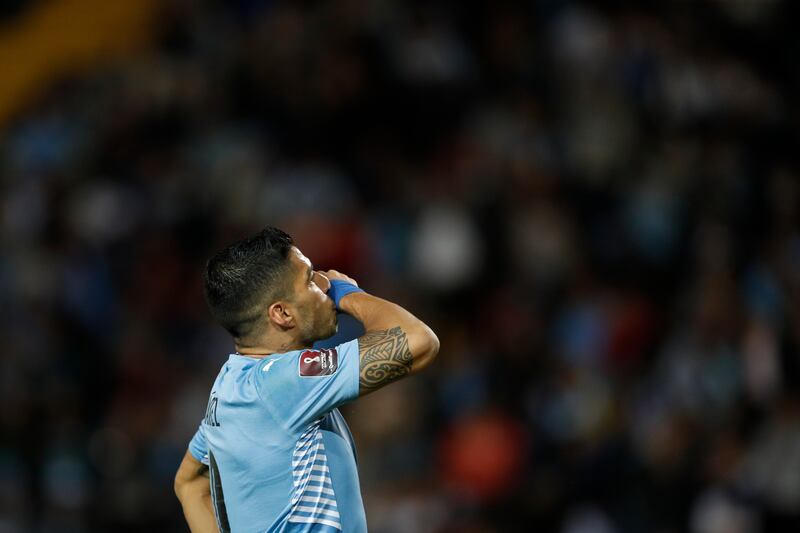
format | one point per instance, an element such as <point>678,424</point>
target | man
<point>278,453</point>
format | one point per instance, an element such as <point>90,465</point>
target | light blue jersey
<point>280,455</point>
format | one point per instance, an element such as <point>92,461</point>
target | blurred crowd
<point>597,208</point>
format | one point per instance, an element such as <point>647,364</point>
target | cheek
<point>319,305</point>
<point>324,301</point>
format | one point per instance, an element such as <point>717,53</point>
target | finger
<point>322,281</point>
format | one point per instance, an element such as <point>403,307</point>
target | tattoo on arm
<point>385,357</point>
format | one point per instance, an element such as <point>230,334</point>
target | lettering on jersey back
<point>211,412</point>
<point>316,363</point>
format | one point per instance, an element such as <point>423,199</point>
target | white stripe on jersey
<point>314,520</point>
<point>310,465</point>
<point>317,500</point>
<point>331,513</point>
<point>312,454</point>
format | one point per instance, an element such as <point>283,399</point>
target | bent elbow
<point>426,347</point>
<point>433,344</point>
<point>179,486</point>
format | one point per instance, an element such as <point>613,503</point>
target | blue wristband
<point>339,289</point>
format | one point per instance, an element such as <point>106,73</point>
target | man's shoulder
<point>275,364</point>
<point>301,363</point>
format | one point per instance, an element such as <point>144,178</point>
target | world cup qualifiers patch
<point>318,362</point>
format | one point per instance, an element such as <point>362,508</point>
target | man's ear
<point>281,315</point>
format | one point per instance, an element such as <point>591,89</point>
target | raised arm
<point>395,344</point>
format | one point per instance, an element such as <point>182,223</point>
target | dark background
<point>595,206</point>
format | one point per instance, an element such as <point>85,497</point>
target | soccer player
<point>277,452</point>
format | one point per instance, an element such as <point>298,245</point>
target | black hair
<point>242,280</point>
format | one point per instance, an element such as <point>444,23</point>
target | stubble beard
<point>318,329</point>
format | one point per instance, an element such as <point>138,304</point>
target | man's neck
<point>266,348</point>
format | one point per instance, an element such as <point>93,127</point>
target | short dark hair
<point>245,278</point>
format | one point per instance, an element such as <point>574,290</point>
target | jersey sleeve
<point>300,387</point>
<point>198,446</point>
